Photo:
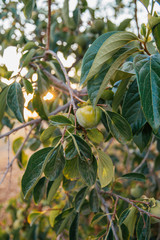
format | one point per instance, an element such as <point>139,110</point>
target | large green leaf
<point>148,78</point>
<point>53,187</point>
<point>119,127</point>
<point>15,100</point>
<point>60,120</point>
<point>3,101</point>
<point>39,190</point>
<point>62,219</point>
<point>105,169</point>
<point>94,201</point>
<point>84,148</point>
<point>117,63</point>
<point>79,199</point>
<point>88,170</point>
<point>34,170</point>
<point>143,228</point>
<point>91,53</point>
<point>130,220</point>
<point>70,170</point>
<point>131,109</point>
<point>107,50</point>
<point>55,164</point>
<point>73,231</point>
<point>134,176</point>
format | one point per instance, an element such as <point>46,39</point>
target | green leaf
<point>39,190</point>
<point>130,220</point>
<point>157,163</point>
<point>97,217</point>
<point>119,94</point>
<point>47,133</point>
<point>53,214</point>
<point>148,78</point>
<point>79,199</point>
<point>73,231</point>
<point>70,151</point>
<point>145,3</point>
<point>17,143</point>
<point>120,75</point>
<point>65,13</point>
<point>38,105</point>
<point>124,232</point>
<point>34,170</point>
<point>83,148</point>
<point>123,216</point>
<point>70,170</point>
<point>15,100</point>
<point>62,219</point>
<point>156,35</point>
<point>60,120</point>
<point>94,201</point>
<point>105,169</point>
<point>124,24</point>
<point>119,127</point>
<point>28,86</point>
<point>134,176</point>
<point>5,73</point>
<point>131,109</point>
<point>113,69</point>
<point>3,101</point>
<point>33,216</point>
<point>143,228</point>
<point>107,50</point>
<point>91,54</point>
<point>95,135</point>
<point>88,170</point>
<point>143,138</point>
<point>28,57</point>
<point>53,187</point>
<point>55,164</point>
<point>29,45</point>
<point>28,8</point>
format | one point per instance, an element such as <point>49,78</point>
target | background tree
<point>88,179</point>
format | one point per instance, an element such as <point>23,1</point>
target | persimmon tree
<point>94,170</point>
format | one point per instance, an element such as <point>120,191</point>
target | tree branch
<point>48,25</point>
<point>35,121</point>
<point>17,153</point>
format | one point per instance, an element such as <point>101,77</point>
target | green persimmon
<point>155,210</point>
<point>88,117</point>
<point>99,25</point>
<point>137,191</point>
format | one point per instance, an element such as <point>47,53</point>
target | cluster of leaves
<point>121,74</point>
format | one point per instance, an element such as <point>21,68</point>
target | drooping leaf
<point>39,190</point>
<point>124,24</point>
<point>55,164</point>
<point>123,215</point>
<point>79,199</point>
<point>53,187</point>
<point>3,101</point>
<point>135,176</point>
<point>107,50</point>
<point>38,106</point>
<point>94,201</point>
<point>70,23</point>
<point>90,175</point>
<point>131,109</point>
<point>73,231</point>
<point>53,214</point>
<point>28,57</point>
<point>35,167</point>
<point>28,86</point>
<point>28,7</point>
<point>29,45</point>
<point>62,219</point>
<point>119,127</point>
<point>143,230</point>
<point>15,100</point>
<point>60,120</point>
<point>4,72</point>
<point>33,216</point>
<point>98,217</point>
<point>95,135</point>
<point>130,221</point>
<point>71,170</point>
<point>148,76</point>
<point>143,138</point>
<point>105,169</point>
<point>70,151</point>
<point>84,148</point>
<point>47,133</point>
<point>145,3</point>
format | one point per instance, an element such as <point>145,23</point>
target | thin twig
<point>145,157</point>
<point>136,18</point>
<point>48,25</point>
<point>38,120</point>
<point>130,202</point>
<point>17,153</point>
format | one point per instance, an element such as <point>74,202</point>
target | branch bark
<point>48,25</point>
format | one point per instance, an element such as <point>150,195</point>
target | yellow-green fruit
<point>88,117</point>
<point>155,211</point>
<point>82,40</point>
<point>99,25</point>
<point>137,192</point>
